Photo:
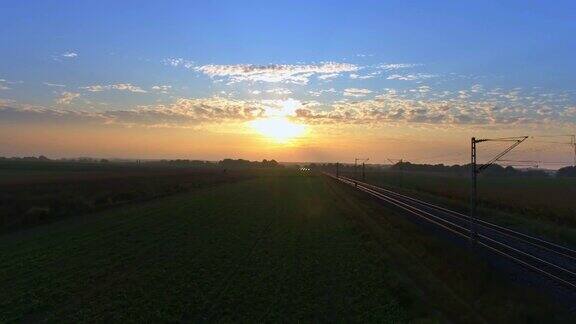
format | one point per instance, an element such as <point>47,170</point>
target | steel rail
<point>528,260</point>
<point>534,241</point>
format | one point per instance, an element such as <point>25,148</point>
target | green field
<point>38,193</point>
<point>280,246</point>
<point>541,205</point>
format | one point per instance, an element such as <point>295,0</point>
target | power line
<point>571,143</point>
<point>475,170</point>
<point>363,160</point>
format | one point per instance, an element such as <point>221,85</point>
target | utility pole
<point>400,169</point>
<point>401,174</point>
<point>477,169</point>
<point>573,142</point>
<point>474,193</point>
<point>356,160</point>
<point>363,171</point>
<point>337,169</point>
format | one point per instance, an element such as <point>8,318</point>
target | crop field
<point>37,193</point>
<point>278,246</point>
<point>535,203</point>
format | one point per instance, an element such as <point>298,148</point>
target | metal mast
<point>396,161</point>
<point>573,142</point>
<point>363,160</point>
<point>477,169</point>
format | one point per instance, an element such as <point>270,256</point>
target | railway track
<point>553,261</point>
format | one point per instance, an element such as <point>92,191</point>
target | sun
<point>279,129</point>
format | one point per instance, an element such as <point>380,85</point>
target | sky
<point>290,80</point>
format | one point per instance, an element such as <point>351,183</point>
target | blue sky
<point>393,59</point>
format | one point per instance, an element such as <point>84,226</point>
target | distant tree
<point>244,164</point>
<point>269,164</point>
<point>235,164</point>
<point>494,170</point>
<point>569,171</point>
<point>534,173</point>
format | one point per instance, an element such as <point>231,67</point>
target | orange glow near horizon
<point>275,137</point>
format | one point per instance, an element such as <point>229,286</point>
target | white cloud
<point>119,86</point>
<point>429,106</point>
<point>355,92</point>
<point>362,77</point>
<point>288,73</point>
<point>54,85</point>
<point>545,111</point>
<point>411,77</point>
<point>421,89</point>
<point>420,105</point>
<point>397,66</point>
<point>4,82</point>
<point>186,112</point>
<point>569,112</point>
<point>320,92</point>
<point>161,88</point>
<point>279,91</point>
<point>4,102</point>
<point>67,97</point>
<point>70,54</point>
<point>476,88</point>
<point>178,62</point>
<point>330,76</point>
<point>275,91</point>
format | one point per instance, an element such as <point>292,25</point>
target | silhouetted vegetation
<point>35,190</point>
<point>245,164</point>
<point>567,172</point>
<point>464,170</point>
<point>495,170</point>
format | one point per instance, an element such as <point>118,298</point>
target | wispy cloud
<point>423,104</point>
<point>119,86</point>
<point>288,73</point>
<point>279,91</point>
<point>4,83</point>
<point>162,88</point>
<point>54,85</point>
<point>569,112</point>
<point>69,55</point>
<point>397,66</point>
<point>428,106</point>
<point>275,91</point>
<point>355,76</point>
<point>66,98</point>
<point>178,62</point>
<point>5,102</point>
<point>327,77</point>
<point>318,93</point>
<point>183,113</point>
<point>355,92</point>
<point>476,88</point>
<point>411,77</point>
